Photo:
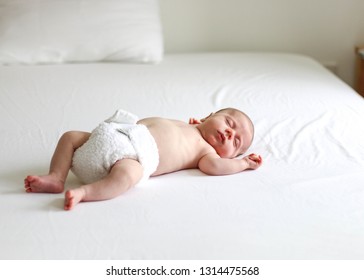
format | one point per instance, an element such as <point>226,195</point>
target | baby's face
<point>228,132</point>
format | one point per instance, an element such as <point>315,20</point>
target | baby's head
<point>229,131</point>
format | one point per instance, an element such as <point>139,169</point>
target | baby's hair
<point>237,110</point>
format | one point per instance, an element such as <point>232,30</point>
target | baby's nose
<point>229,133</point>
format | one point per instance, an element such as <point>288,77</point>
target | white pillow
<point>58,31</point>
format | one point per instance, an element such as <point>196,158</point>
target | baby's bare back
<point>180,145</point>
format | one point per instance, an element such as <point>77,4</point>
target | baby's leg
<point>123,175</point>
<point>60,164</point>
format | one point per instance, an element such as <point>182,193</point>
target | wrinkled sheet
<point>305,202</point>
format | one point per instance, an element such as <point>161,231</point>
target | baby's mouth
<point>221,137</point>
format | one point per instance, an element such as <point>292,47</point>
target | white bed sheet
<point>305,202</point>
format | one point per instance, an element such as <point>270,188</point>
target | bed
<point>305,202</point>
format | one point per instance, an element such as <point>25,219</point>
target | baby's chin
<point>222,154</point>
<point>218,149</point>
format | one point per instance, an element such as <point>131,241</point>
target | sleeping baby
<point>123,150</point>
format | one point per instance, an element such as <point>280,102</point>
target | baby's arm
<point>212,164</point>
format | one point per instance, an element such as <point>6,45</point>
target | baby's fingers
<point>194,121</point>
<point>256,158</point>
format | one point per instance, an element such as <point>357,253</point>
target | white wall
<point>327,30</point>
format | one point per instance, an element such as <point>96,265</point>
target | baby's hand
<point>194,121</point>
<point>254,161</point>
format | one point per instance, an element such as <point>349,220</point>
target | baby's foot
<point>43,184</point>
<point>72,198</point>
